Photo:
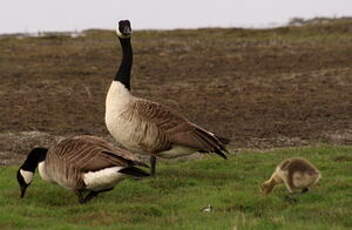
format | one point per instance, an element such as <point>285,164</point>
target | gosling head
<point>123,29</point>
<point>26,171</point>
<point>266,188</point>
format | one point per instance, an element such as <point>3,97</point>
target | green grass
<point>173,199</point>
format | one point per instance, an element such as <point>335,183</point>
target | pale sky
<point>70,15</point>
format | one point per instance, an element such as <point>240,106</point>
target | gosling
<point>298,174</point>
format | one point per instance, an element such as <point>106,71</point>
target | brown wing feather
<point>178,130</point>
<point>90,153</point>
<point>195,137</point>
<point>164,117</point>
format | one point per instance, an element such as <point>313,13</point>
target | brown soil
<point>261,88</point>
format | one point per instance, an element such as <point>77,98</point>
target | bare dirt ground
<point>262,88</point>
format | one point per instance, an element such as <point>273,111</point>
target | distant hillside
<point>319,21</point>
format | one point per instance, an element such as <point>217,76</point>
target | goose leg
<point>291,198</point>
<point>93,194</point>
<point>90,196</point>
<point>79,193</point>
<point>152,165</point>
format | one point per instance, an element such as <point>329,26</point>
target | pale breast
<point>116,102</point>
<point>304,180</point>
<point>42,172</point>
<point>135,134</point>
<point>118,117</point>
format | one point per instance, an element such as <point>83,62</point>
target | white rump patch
<point>103,179</point>
<point>27,176</point>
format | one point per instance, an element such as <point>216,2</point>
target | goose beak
<point>127,30</point>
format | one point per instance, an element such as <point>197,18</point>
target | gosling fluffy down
<point>298,174</point>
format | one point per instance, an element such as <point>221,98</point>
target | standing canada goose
<point>81,164</point>
<point>147,127</point>
<point>295,173</point>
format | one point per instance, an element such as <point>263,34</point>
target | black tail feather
<point>129,162</point>
<point>224,140</point>
<point>214,144</point>
<point>220,153</point>
<point>133,171</point>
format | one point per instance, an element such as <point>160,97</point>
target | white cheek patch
<point>105,178</point>
<point>27,176</point>
<point>118,31</point>
<point>119,34</point>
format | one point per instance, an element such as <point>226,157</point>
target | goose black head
<point>26,171</point>
<point>123,29</point>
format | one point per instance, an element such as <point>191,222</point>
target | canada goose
<point>147,127</point>
<point>81,164</point>
<point>295,173</point>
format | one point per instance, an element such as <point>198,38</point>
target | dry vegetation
<point>262,88</point>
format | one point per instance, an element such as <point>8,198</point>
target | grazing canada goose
<point>81,164</point>
<point>147,127</point>
<point>295,173</point>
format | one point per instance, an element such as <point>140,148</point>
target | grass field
<point>174,198</point>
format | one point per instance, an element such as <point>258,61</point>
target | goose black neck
<point>123,75</point>
<point>34,157</point>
